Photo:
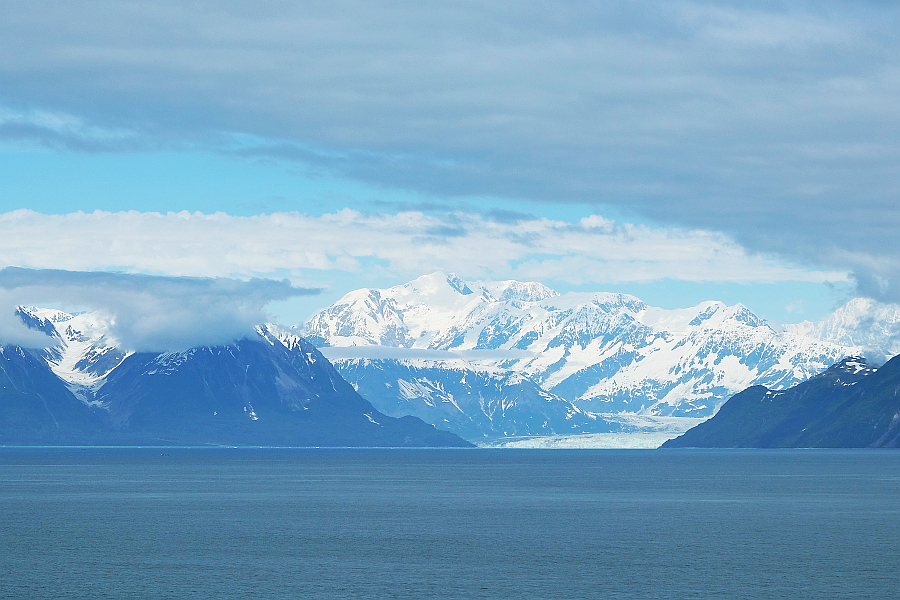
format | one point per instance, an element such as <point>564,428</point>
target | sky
<point>678,151</point>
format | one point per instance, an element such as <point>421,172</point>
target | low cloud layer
<point>147,313</point>
<point>387,352</point>
<point>774,123</point>
<point>592,251</point>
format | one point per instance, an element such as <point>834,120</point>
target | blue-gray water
<point>178,523</point>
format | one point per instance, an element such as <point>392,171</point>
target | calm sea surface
<point>606,524</point>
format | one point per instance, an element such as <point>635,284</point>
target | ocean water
<point>456,524</point>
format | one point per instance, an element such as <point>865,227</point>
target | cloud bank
<point>146,313</point>
<point>592,251</point>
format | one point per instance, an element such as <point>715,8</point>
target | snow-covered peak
<point>403,316</point>
<point>436,285</point>
<point>458,284</point>
<point>854,365</point>
<point>518,291</point>
<point>862,322</point>
<point>710,315</point>
<point>273,333</point>
<point>50,314</point>
<point>432,313</point>
<point>80,349</point>
<point>718,315</point>
<point>88,326</point>
<point>614,301</point>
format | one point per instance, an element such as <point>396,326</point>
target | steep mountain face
<point>851,405</point>
<point>36,407</point>
<point>82,353</point>
<point>255,392</point>
<point>474,403</point>
<point>605,353</point>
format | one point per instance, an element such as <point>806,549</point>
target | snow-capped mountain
<point>83,354</point>
<point>425,313</point>
<point>472,402</point>
<point>868,324</point>
<point>603,352</point>
<point>84,389</point>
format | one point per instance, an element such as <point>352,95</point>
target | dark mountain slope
<point>36,407</point>
<point>255,392</point>
<point>850,405</point>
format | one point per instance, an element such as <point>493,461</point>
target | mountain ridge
<point>84,390</point>
<point>606,352</point>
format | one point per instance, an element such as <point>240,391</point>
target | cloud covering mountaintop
<point>145,313</point>
<point>774,123</point>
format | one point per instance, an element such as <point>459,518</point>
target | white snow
<point>83,340</point>
<point>873,327</point>
<point>698,355</point>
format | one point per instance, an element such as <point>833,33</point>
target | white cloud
<point>408,244</point>
<point>63,130</point>
<point>146,313</point>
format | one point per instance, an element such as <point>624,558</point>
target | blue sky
<point>679,151</point>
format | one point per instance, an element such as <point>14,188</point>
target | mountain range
<point>493,359</point>
<point>272,390</point>
<point>436,361</point>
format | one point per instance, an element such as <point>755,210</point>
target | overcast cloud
<point>775,123</point>
<point>146,313</point>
